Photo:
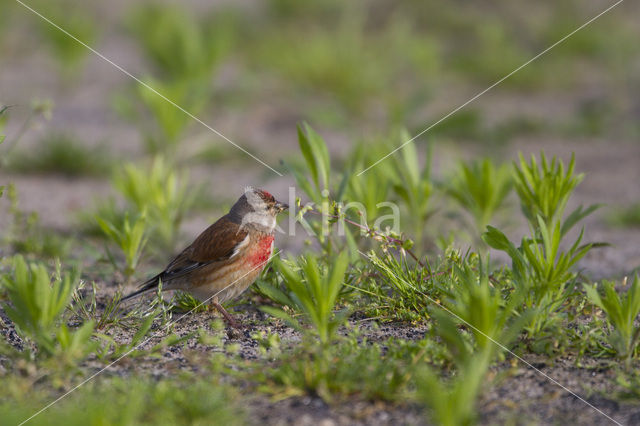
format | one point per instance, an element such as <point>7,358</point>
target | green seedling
<point>317,183</point>
<point>184,400</point>
<point>626,216</point>
<point>478,304</point>
<point>622,312</point>
<point>545,189</point>
<point>540,264</point>
<point>351,367</point>
<point>313,291</point>
<point>171,121</point>
<point>64,155</point>
<point>405,291</point>
<point>336,62</point>
<point>181,46</point>
<point>160,192</point>
<point>130,237</point>
<point>318,165</point>
<point>481,188</point>
<point>187,303</point>
<point>68,52</point>
<point>475,307</point>
<point>27,236</point>
<point>453,402</point>
<point>413,186</point>
<point>38,303</point>
<point>369,189</point>
<point>542,268</point>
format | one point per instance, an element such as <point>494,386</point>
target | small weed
<point>37,306</point>
<point>161,194</point>
<point>269,344</point>
<point>414,186</point>
<point>371,190</point>
<point>621,312</point>
<point>351,367</point>
<point>540,264</point>
<point>185,401</point>
<point>64,155</point>
<point>453,402</point>
<point>68,52</point>
<point>180,45</point>
<point>130,237</point>
<point>481,188</point>
<point>626,216</point>
<point>312,291</point>
<point>402,291</point>
<point>171,121</point>
<point>185,302</point>
<point>476,306</point>
<point>25,234</point>
<point>544,190</point>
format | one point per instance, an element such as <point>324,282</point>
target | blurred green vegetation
<point>118,401</point>
<point>361,68</point>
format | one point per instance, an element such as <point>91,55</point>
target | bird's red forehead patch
<point>266,193</point>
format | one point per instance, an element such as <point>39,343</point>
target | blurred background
<point>357,72</point>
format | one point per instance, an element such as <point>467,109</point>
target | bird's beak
<point>281,206</point>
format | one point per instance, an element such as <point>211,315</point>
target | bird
<point>227,257</point>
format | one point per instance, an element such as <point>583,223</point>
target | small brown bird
<point>227,257</point>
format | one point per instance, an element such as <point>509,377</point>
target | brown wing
<point>219,242</point>
<point>216,243</point>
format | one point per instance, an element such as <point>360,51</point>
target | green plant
<point>27,236</point>
<point>334,62</point>
<point>352,367</point>
<point>317,183</point>
<point>369,189</point>
<point>317,162</point>
<point>37,306</point>
<point>160,192</point>
<point>180,45</point>
<point>473,304</point>
<point>626,216</point>
<point>67,51</point>
<point>187,303</point>
<point>130,237</point>
<point>539,264</point>
<point>404,290</point>
<point>413,186</point>
<point>545,189</point>
<point>170,120</point>
<point>453,402</point>
<point>186,400</point>
<point>62,154</point>
<point>622,312</point>
<point>481,305</point>
<point>481,187</point>
<point>313,291</point>
<point>185,51</point>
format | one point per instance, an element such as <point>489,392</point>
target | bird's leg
<point>227,316</point>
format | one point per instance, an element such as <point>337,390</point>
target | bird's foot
<point>228,318</point>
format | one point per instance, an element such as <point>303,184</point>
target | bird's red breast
<point>261,252</point>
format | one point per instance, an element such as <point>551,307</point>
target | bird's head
<point>257,208</point>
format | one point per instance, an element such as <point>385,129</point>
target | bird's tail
<point>148,285</point>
